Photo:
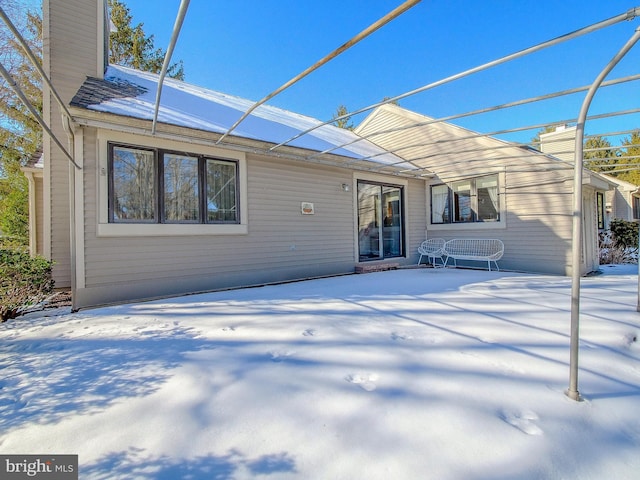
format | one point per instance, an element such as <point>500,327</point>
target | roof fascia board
<point>102,120</point>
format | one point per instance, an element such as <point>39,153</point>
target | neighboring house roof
<point>35,162</point>
<point>131,93</point>
<point>622,185</point>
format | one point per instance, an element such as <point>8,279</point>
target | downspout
<point>576,243</point>
<point>33,225</point>
<point>67,125</point>
<point>184,4</point>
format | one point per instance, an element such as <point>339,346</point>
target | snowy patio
<point>418,373</point>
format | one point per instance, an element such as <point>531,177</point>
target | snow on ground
<point>419,373</point>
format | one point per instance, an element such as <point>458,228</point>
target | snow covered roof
<point>129,92</point>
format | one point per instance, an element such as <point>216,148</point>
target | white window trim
<point>471,226</point>
<point>106,229</point>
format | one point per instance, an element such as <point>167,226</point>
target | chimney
<point>561,143</point>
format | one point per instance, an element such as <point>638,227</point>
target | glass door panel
<point>392,223</point>
<point>380,222</point>
<point>369,221</point>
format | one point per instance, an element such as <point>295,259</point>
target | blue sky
<point>251,47</point>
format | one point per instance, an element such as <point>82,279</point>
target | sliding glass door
<point>380,221</point>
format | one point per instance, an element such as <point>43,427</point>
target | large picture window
<point>158,186</point>
<point>466,201</point>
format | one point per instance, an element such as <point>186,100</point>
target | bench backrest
<point>490,248</point>
<point>432,246</point>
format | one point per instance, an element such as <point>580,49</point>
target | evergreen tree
<point>599,154</point>
<point>345,123</point>
<point>628,163</point>
<point>129,45</point>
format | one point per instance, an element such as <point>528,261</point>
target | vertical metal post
<point>572,392</point>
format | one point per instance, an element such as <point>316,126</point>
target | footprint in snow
<point>279,356</point>
<point>524,421</point>
<point>229,329</point>
<point>400,336</point>
<point>366,381</point>
<point>309,332</point>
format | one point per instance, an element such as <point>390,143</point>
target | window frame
<point>160,157</point>
<point>105,228</point>
<point>379,220</point>
<point>600,214</point>
<point>450,222</point>
<point>111,183</point>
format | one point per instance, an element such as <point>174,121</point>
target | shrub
<point>624,233</point>
<point>24,281</point>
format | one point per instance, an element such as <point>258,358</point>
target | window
<point>133,185</point>
<point>181,199</point>
<point>466,201</point>
<point>380,221</point>
<point>636,208</point>
<point>158,186</point>
<point>600,209</point>
<point>221,191</point>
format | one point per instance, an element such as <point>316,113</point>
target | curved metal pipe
<point>184,4</point>
<point>14,86</point>
<point>366,32</point>
<point>576,245</point>
<point>628,15</point>
<point>34,60</point>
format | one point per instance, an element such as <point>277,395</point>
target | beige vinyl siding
<point>281,243</point>
<point>538,201</point>
<point>620,199</point>
<point>537,236</point>
<point>415,217</point>
<point>70,45</point>
<point>560,143</point>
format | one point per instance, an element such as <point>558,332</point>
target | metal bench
<point>477,249</point>
<point>432,249</point>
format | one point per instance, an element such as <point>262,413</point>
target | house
<point>135,213</point>
<point>177,211</point>
<point>620,200</point>
<point>623,202</point>
<point>477,186</point>
<point>33,171</point>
